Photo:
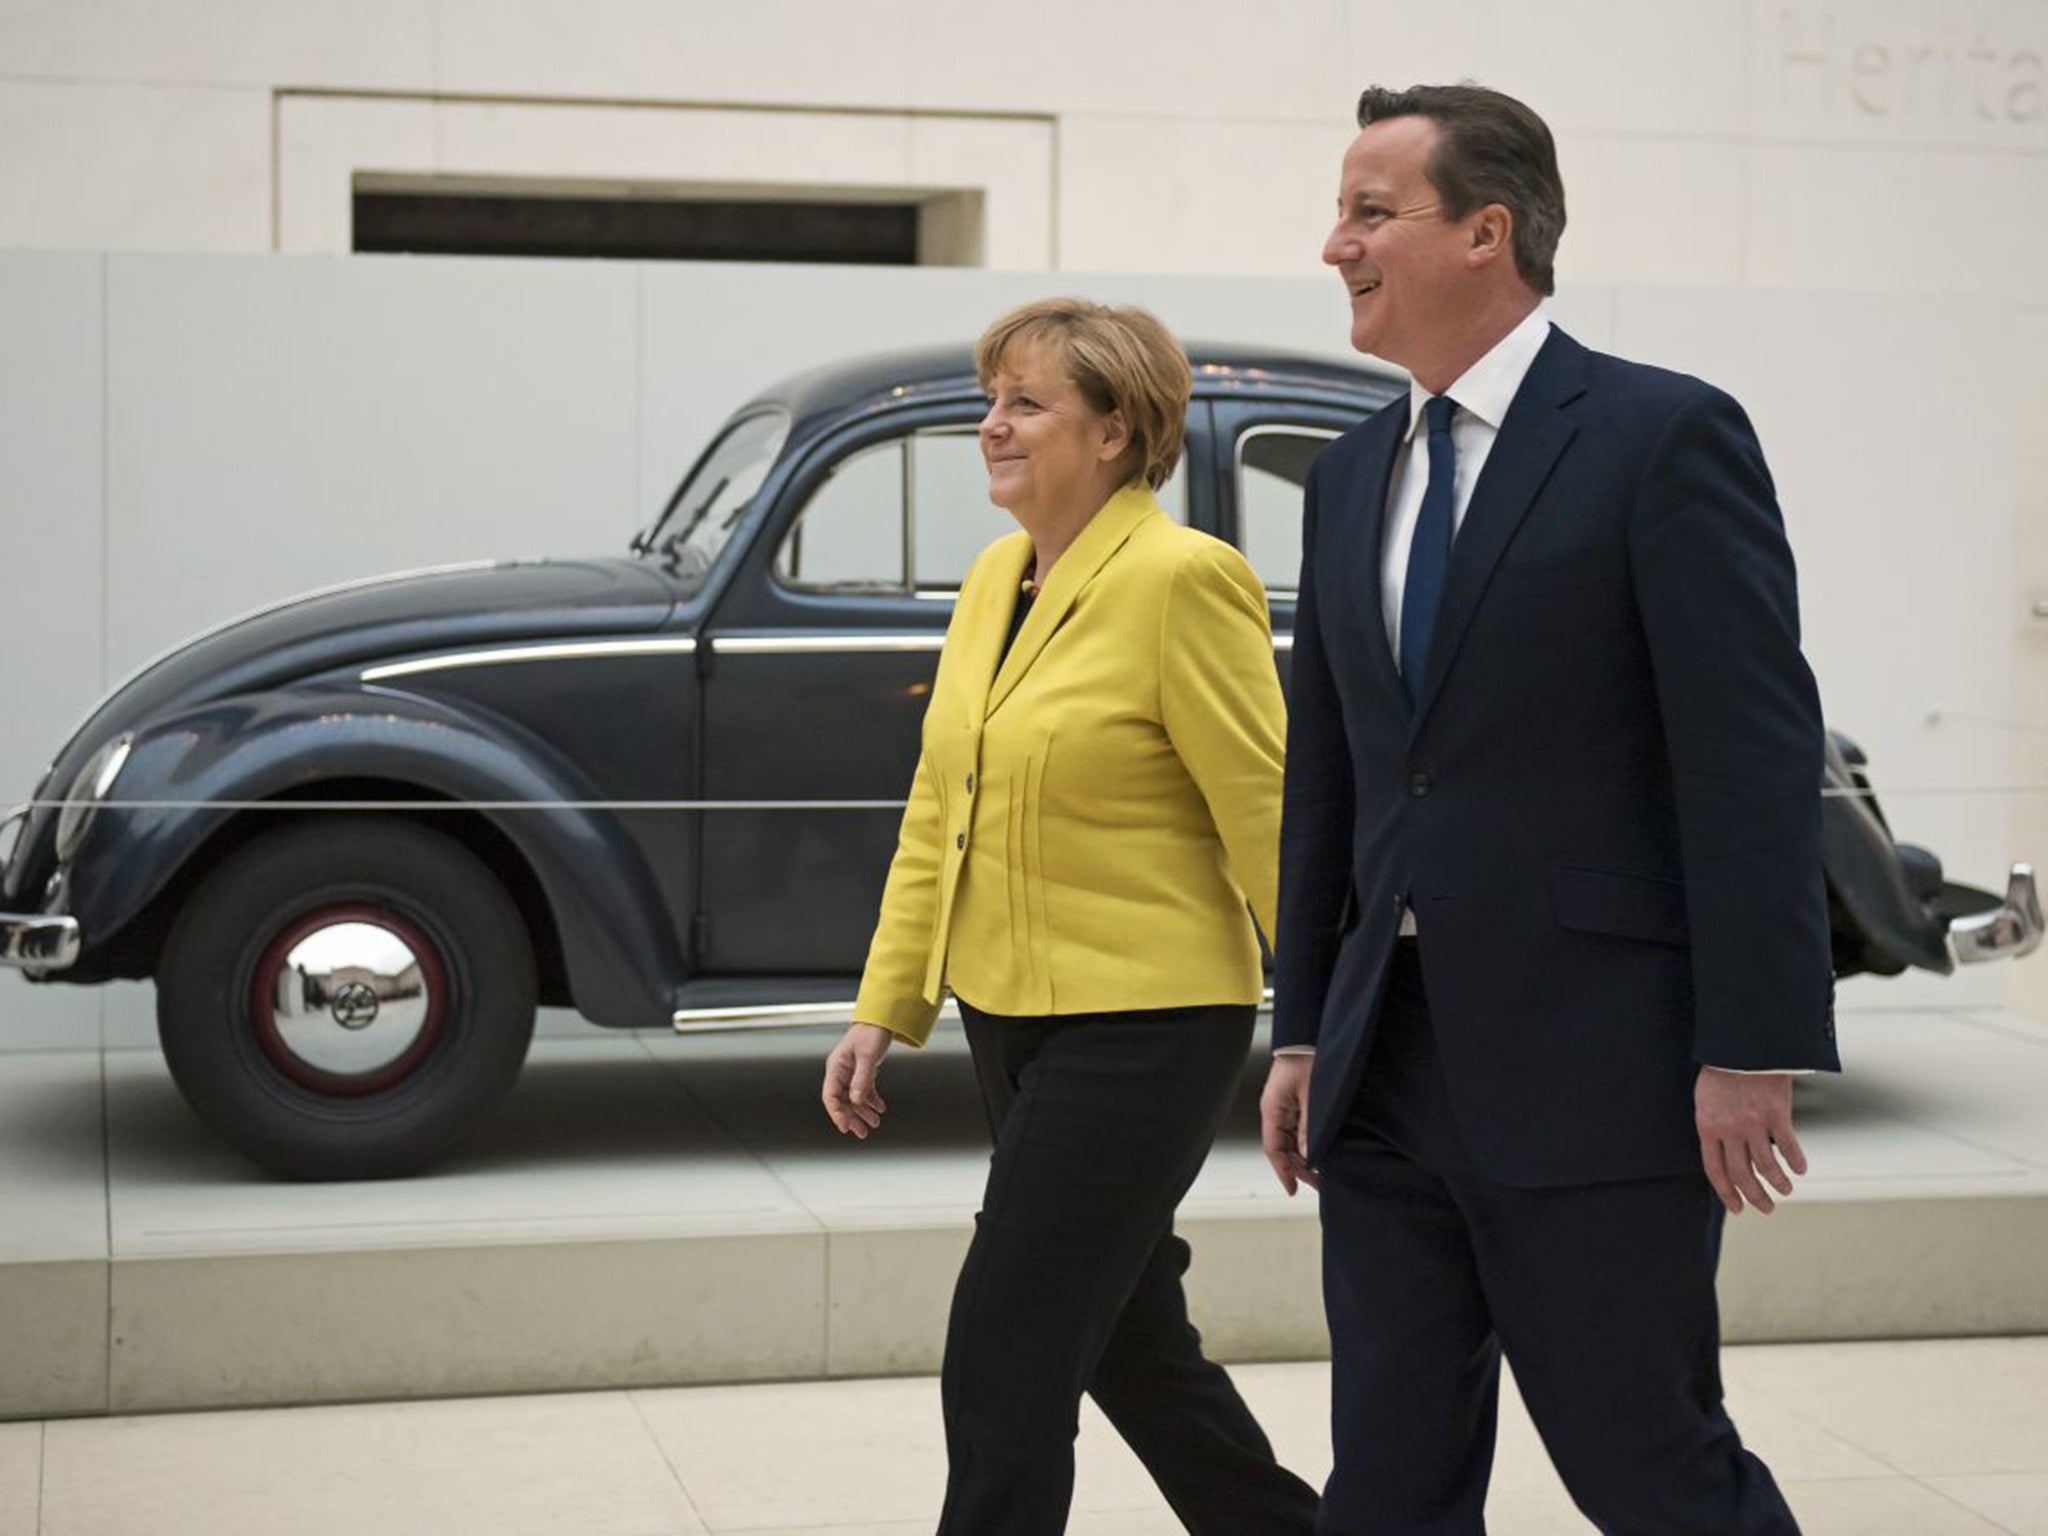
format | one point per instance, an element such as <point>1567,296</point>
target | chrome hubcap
<point>349,999</point>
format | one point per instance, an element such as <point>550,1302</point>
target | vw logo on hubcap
<point>354,1005</point>
<point>349,999</point>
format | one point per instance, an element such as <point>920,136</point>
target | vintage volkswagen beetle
<point>358,837</point>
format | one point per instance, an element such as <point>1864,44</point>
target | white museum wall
<point>1814,143</point>
<point>190,436</point>
<point>1884,147</point>
<point>52,565</point>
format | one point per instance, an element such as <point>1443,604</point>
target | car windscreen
<point>692,531</point>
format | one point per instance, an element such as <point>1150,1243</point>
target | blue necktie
<point>1430,553</point>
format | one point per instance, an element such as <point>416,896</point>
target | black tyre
<point>345,999</point>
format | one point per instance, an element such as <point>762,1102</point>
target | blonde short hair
<point>1120,358</point>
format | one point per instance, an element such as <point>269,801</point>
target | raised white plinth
<point>656,1210</point>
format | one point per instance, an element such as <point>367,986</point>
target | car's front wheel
<point>345,1000</point>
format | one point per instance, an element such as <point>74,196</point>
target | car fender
<point>1867,878</point>
<point>187,776</point>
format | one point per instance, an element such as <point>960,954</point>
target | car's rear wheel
<point>345,1000</point>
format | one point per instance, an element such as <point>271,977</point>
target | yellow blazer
<point>1088,822</point>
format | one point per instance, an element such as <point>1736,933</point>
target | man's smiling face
<point>1401,260</point>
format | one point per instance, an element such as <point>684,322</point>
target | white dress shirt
<point>1482,394</point>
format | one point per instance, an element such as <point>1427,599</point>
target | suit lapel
<point>980,622</point>
<point>1102,538</point>
<point>1532,436</point>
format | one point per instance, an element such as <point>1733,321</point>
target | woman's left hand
<point>851,1099</point>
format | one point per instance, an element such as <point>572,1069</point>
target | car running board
<point>719,1017</point>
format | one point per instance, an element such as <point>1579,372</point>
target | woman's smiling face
<point>1045,446</point>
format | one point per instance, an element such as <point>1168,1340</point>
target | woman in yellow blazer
<point>1093,823</point>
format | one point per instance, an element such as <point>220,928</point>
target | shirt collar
<point>1487,388</point>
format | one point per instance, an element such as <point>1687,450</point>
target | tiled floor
<point>1899,1439</point>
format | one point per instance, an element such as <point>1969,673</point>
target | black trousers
<point>1073,1280</point>
<point>1601,1297</point>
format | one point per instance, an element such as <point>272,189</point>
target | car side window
<point>952,518</point>
<point>1272,467</point>
<point>1173,496</point>
<point>906,515</point>
<point>849,536</point>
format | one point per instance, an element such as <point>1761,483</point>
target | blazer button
<point>1418,786</point>
<point>970,783</point>
<point>960,840</point>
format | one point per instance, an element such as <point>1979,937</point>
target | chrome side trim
<point>41,943</point>
<point>500,655</point>
<point>2009,931</point>
<point>840,644</point>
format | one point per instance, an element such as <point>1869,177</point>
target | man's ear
<point>1493,230</point>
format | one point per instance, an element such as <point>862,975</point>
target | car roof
<point>891,378</point>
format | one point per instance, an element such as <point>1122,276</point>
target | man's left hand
<point>1745,1121</point>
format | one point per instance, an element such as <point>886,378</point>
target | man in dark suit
<point>1553,933</point>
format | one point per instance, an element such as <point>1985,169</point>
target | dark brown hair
<point>1493,150</point>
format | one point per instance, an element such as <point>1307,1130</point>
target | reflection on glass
<point>1272,468</point>
<point>701,517</point>
<point>849,535</point>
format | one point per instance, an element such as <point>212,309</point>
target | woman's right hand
<point>851,1100</point>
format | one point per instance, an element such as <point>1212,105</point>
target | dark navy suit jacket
<point>1604,803</point>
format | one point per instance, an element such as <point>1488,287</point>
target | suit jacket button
<point>960,840</point>
<point>1418,786</point>
<point>970,783</point>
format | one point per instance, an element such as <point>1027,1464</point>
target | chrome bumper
<point>2006,932</point>
<point>34,942</point>
<point>38,943</point>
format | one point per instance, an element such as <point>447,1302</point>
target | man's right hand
<point>1283,1121</point>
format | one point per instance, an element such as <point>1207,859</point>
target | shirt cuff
<point>1764,1071</point>
<point>1294,1050</point>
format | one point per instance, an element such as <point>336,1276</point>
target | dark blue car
<point>357,838</point>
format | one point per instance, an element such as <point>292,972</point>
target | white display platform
<point>650,1210</point>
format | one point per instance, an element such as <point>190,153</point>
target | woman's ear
<point>1116,438</point>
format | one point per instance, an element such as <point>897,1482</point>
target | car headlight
<point>88,789</point>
